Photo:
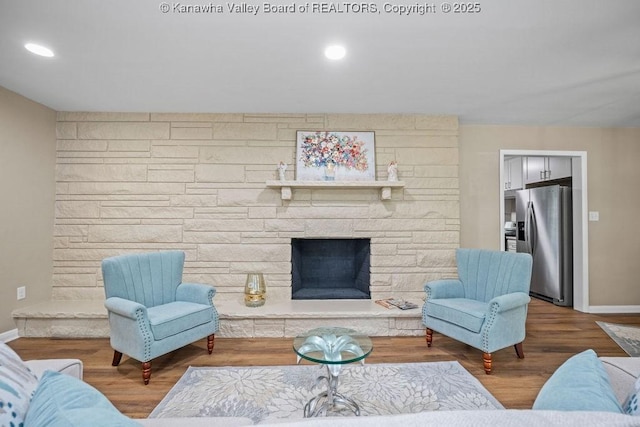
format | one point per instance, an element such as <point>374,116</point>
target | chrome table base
<point>330,400</point>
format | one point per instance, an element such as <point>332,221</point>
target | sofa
<point>584,391</point>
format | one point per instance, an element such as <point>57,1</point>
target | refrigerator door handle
<point>533,227</point>
<point>526,228</point>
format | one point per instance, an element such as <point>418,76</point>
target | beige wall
<point>196,182</point>
<point>129,182</point>
<point>613,157</point>
<point>27,188</point>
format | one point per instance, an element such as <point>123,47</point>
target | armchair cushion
<point>466,313</point>
<point>176,317</point>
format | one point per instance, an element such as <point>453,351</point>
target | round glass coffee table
<point>332,347</point>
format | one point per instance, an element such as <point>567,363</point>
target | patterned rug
<point>268,394</point>
<point>627,337</point>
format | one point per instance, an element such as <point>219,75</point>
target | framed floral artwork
<point>335,156</point>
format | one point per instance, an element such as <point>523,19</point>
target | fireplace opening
<point>330,268</point>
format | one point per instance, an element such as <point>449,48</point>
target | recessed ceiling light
<point>39,50</point>
<point>335,52</point>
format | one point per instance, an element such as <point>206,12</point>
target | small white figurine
<point>392,171</point>
<point>282,168</point>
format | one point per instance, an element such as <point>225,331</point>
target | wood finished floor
<point>553,335</point>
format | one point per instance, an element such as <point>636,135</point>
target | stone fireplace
<point>330,268</point>
<point>135,182</point>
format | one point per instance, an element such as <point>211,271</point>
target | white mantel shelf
<point>286,186</point>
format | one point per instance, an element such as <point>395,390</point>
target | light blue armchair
<point>151,312</point>
<point>486,307</point>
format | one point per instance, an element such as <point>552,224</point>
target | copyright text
<point>266,8</point>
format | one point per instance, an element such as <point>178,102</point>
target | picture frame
<point>335,156</point>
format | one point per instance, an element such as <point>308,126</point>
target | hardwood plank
<point>553,335</point>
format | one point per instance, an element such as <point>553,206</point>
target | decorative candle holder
<point>254,290</point>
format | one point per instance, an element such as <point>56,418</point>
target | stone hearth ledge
<point>275,319</point>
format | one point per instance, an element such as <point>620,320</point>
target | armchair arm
<point>195,292</point>
<point>130,329</point>
<point>72,367</point>
<point>508,302</point>
<point>445,288</point>
<point>125,307</point>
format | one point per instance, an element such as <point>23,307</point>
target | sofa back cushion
<point>150,279</point>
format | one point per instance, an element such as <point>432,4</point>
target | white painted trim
<point>9,335</point>
<point>501,216</point>
<point>614,309</point>
<point>581,294</point>
<point>542,153</point>
<point>581,303</point>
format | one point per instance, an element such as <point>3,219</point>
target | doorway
<point>580,216</point>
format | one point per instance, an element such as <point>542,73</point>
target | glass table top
<point>331,345</point>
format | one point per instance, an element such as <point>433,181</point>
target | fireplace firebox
<point>330,268</point>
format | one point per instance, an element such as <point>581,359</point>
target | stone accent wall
<point>131,182</point>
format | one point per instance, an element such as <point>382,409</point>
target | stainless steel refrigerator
<point>544,230</point>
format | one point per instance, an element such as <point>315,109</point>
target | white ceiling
<point>534,62</point>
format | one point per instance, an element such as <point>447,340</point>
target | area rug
<point>627,337</point>
<point>268,394</point>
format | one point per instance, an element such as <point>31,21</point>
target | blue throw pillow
<point>64,401</point>
<point>579,384</point>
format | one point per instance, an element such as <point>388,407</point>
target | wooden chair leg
<point>429,337</point>
<point>210,339</point>
<point>117,357</point>
<point>146,372</point>
<point>486,358</point>
<point>519,350</point>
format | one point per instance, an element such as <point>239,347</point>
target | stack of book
<point>396,303</point>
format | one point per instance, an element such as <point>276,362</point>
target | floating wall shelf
<point>286,186</point>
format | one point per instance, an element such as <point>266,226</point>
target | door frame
<point>580,218</point>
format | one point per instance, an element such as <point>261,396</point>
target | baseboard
<point>9,335</point>
<point>614,309</point>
